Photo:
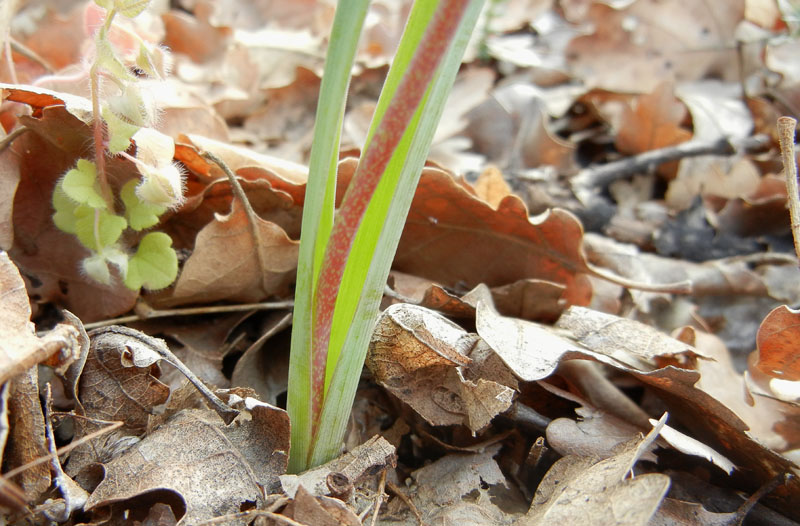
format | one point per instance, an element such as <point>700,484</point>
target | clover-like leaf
<point>155,264</point>
<point>98,229</point>
<point>80,184</point>
<point>140,214</point>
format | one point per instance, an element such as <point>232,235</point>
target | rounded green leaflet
<point>97,229</point>
<point>140,214</point>
<point>80,184</point>
<point>64,217</point>
<point>155,264</point>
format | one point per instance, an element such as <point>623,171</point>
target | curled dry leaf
<point>579,487</point>
<point>27,440</point>
<point>20,347</point>
<point>418,355</point>
<point>211,468</point>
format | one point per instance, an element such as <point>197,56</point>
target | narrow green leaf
<point>318,216</point>
<point>408,160</point>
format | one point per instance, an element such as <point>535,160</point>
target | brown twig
<point>391,486</point>
<point>165,313</point>
<point>6,141</point>
<point>603,175</point>
<point>786,129</point>
<point>379,499</point>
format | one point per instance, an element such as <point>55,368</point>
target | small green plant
<point>85,201</point>
<point>345,258</point>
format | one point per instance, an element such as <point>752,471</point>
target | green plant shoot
<point>84,200</point>
<point>344,262</point>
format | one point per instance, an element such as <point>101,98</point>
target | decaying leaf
<point>577,488</point>
<point>201,467</point>
<point>417,355</point>
<point>364,461</point>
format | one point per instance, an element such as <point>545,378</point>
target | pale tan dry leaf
<point>446,481</point>
<point>229,264</point>
<point>491,186</point>
<point>20,347</point>
<point>674,512</point>
<point>579,490</point>
<point>595,435</point>
<point>690,446</point>
<point>366,460</point>
<point>214,468</point>
<point>633,343</point>
<point>635,48</point>
<point>415,353</point>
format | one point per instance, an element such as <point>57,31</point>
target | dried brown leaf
<point>228,263</point>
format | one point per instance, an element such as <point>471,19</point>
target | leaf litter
<point>541,317</point>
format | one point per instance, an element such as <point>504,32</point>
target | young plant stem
<point>786,129</point>
<point>399,113</point>
<point>98,126</point>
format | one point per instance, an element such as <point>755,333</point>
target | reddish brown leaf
<point>778,340</point>
<point>459,240</point>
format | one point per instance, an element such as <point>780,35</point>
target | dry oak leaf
<point>20,347</point>
<point>212,469</point>
<point>777,341</point>
<point>459,240</point>
<point>417,355</point>
<point>229,263</point>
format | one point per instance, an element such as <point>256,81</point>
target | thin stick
<point>391,486</point>
<point>224,519</point>
<point>6,141</point>
<point>165,313</point>
<point>379,500</point>
<point>786,128</point>
<point>72,445</point>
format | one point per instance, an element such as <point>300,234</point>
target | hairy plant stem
<point>98,126</point>
<point>372,165</point>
